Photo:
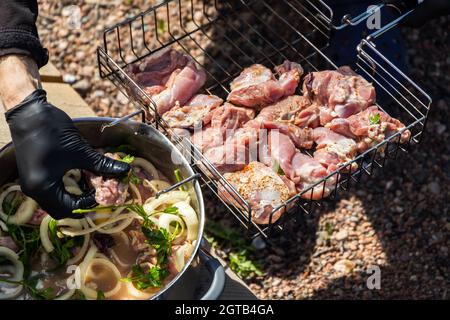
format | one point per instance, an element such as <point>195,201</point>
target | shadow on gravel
<point>407,203</point>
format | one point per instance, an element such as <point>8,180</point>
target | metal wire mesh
<point>224,37</point>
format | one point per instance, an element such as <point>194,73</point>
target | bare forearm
<point>19,77</point>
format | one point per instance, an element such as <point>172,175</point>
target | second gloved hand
<point>47,145</point>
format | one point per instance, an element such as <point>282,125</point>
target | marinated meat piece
<point>279,153</point>
<point>238,150</point>
<point>8,242</point>
<point>196,113</point>
<point>208,137</point>
<point>341,92</point>
<point>308,117</point>
<point>180,87</point>
<point>231,117</point>
<point>144,191</point>
<point>306,172</point>
<point>285,110</point>
<point>230,157</point>
<point>137,237</point>
<point>289,76</point>
<point>369,127</point>
<point>154,71</point>
<point>147,259</point>
<point>301,137</point>
<point>282,116</point>
<point>262,188</point>
<point>225,120</point>
<point>37,217</point>
<point>257,87</point>
<point>108,191</point>
<point>333,150</point>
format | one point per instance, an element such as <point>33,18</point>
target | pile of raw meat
<point>256,137</point>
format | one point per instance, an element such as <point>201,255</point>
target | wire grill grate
<point>224,37</point>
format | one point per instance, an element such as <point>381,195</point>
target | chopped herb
<point>134,179</point>
<point>131,178</point>
<point>30,287</point>
<point>61,253</point>
<point>132,207</point>
<point>160,240</point>
<point>375,119</point>
<point>127,159</point>
<point>100,295</point>
<point>127,149</point>
<point>28,239</point>
<point>171,210</point>
<point>79,295</point>
<point>179,178</point>
<point>276,168</point>
<point>143,280</point>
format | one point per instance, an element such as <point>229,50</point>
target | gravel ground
<point>398,221</point>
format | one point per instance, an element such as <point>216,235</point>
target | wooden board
<point>61,95</point>
<point>66,98</point>
<point>49,73</point>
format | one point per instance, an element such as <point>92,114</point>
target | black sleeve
<point>18,33</point>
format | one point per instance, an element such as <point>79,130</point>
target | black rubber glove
<point>47,145</point>
<point>424,11</point>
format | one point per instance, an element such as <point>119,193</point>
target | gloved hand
<point>47,145</point>
<point>424,10</point>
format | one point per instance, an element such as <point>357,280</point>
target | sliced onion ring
<point>25,210</point>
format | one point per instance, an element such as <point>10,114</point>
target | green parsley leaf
<point>134,179</point>
<point>160,240</point>
<point>28,239</point>
<point>276,168</point>
<point>30,287</point>
<point>100,295</point>
<point>127,159</point>
<point>171,210</point>
<point>178,178</point>
<point>143,280</point>
<point>375,119</point>
<point>62,252</point>
<point>79,295</point>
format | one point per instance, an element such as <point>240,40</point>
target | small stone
<point>80,55</point>
<point>63,32</point>
<point>440,128</point>
<point>82,86</point>
<point>63,45</point>
<point>88,71</point>
<point>341,235</point>
<point>276,282</point>
<point>434,187</point>
<point>69,78</point>
<point>98,94</point>
<point>344,266</point>
<point>258,243</point>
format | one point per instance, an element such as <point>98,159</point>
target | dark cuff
<point>17,41</point>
